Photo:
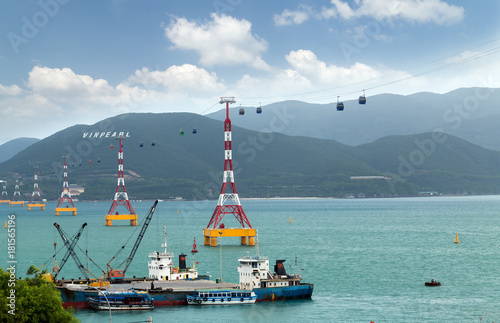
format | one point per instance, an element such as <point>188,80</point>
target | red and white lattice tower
<point>5,196</point>
<point>65,194</point>
<point>17,198</point>
<point>228,191</point>
<point>17,193</point>
<point>121,196</point>
<point>36,196</point>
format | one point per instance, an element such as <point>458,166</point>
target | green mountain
<point>265,164</point>
<point>469,113</point>
<point>11,148</point>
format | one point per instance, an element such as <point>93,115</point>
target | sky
<point>67,62</point>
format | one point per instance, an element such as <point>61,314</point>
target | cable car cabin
<point>90,161</point>
<point>111,146</point>
<point>362,99</point>
<point>181,132</point>
<point>153,143</point>
<point>259,110</point>
<point>99,160</point>
<point>242,111</point>
<point>141,145</point>
<point>340,106</point>
<point>194,130</point>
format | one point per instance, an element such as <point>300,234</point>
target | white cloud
<point>308,65</point>
<point>64,85</point>
<point>222,41</point>
<point>185,78</point>
<point>10,90</point>
<point>421,11</point>
<point>289,17</point>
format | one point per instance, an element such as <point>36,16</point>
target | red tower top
<point>228,191</point>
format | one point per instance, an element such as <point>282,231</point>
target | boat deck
<point>165,285</point>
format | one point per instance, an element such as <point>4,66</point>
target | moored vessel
<point>255,275</point>
<point>221,297</point>
<point>121,300</point>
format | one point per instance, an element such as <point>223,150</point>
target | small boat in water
<point>221,297</point>
<point>123,300</point>
<point>432,283</point>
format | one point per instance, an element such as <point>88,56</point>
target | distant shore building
<point>76,189</point>
<point>371,177</point>
<point>429,193</point>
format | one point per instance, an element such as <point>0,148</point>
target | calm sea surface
<point>367,258</point>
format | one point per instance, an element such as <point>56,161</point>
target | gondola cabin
<point>242,111</point>
<point>259,110</point>
<point>194,130</point>
<point>111,147</point>
<point>181,132</point>
<point>153,143</point>
<point>340,105</point>
<point>141,145</point>
<point>362,99</point>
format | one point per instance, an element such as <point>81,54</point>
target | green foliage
<point>36,300</point>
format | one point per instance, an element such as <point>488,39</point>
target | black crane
<point>70,244</point>
<point>120,273</point>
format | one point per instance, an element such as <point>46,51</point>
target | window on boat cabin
<point>254,265</point>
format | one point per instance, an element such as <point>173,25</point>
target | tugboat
<point>161,266</point>
<point>432,283</point>
<point>255,275</point>
<point>125,300</point>
<point>221,297</point>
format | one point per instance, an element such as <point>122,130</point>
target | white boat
<point>221,297</point>
<point>161,266</point>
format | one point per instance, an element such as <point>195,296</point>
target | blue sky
<point>67,62</point>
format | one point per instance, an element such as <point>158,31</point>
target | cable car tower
<point>65,194</point>
<point>215,227</point>
<point>121,196</point>
<point>17,198</point>
<point>36,196</point>
<point>4,198</point>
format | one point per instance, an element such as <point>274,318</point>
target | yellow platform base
<point>110,217</point>
<point>42,206</point>
<point>4,201</point>
<point>247,235</point>
<point>12,203</point>
<point>65,209</point>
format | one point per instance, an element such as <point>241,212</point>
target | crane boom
<point>70,245</point>
<point>120,273</point>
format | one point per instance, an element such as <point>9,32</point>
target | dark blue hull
<point>301,291</point>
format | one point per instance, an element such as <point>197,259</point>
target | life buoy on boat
<point>205,299</point>
<point>189,300</point>
<point>229,299</point>
<point>222,300</point>
<point>242,299</point>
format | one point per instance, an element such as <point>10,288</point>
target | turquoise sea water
<point>368,258</point>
